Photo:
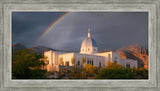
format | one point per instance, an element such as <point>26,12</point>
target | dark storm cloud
<point>27,26</point>
<point>111,30</point>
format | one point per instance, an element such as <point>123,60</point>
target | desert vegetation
<point>27,65</point>
<point>111,71</point>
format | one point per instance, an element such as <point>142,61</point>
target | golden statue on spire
<point>89,35</point>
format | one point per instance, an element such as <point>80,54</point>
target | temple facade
<point>89,53</point>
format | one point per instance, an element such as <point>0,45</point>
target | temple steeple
<point>89,45</point>
<point>89,35</point>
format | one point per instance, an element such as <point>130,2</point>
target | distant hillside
<point>41,49</point>
<point>38,49</point>
<point>135,52</point>
<point>17,46</point>
<point>105,50</point>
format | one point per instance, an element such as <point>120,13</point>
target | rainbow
<point>52,25</point>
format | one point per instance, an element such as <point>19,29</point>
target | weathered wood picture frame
<point>8,6</point>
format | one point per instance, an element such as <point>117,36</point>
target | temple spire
<point>89,35</point>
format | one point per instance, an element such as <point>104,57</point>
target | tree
<point>83,60</point>
<point>90,70</point>
<point>27,65</point>
<point>107,73</point>
<point>61,61</point>
<point>76,73</point>
<point>72,60</point>
<point>140,73</point>
<point>115,71</point>
<point>114,65</point>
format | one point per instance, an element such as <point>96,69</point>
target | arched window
<point>99,64</point>
<point>128,65</point>
<point>67,63</point>
<point>78,63</point>
<point>87,61</point>
<point>88,49</point>
<point>92,62</point>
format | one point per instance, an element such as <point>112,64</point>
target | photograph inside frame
<point>80,45</point>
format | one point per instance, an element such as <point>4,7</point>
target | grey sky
<point>111,30</point>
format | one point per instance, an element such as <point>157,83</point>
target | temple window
<point>99,64</point>
<point>92,62</point>
<point>87,61</point>
<point>78,63</point>
<point>128,65</point>
<point>67,63</point>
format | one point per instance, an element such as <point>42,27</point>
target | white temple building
<point>89,52</point>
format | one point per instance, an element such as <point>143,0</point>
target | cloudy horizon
<point>111,30</point>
